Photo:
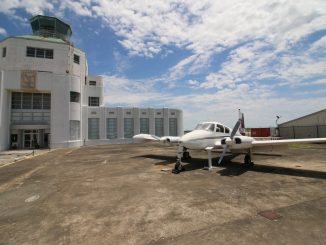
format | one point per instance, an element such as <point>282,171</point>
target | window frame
<point>220,127</point>
<point>92,83</point>
<point>29,53</point>
<point>4,52</point>
<point>91,101</point>
<point>74,97</point>
<point>111,134</point>
<point>76,59</point>
<point>41,53</point>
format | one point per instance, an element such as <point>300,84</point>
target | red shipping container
<point>260,132</point>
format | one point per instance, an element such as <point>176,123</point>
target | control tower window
<point>76,58</point>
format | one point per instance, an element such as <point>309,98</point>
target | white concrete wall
<point>4,115</point>
<point>57,76</point>
<point>128,112</point>
<point>93,91</point>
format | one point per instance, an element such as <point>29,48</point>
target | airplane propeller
<point>228,140</point>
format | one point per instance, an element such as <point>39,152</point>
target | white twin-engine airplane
<point>210,136</point>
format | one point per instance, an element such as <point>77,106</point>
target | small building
<point>48,99</point>
<point>309,126</point>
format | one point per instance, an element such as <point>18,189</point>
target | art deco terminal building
<point>47,98</point>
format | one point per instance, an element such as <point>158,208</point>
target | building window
<point>16,100</point>
<point>92,83</point>
<point>128,127</point>
<point>173,127</point>
<point>93,101</point>
<point>46,101</point>
<point>4,51</point>
<point>49,53</point>
<point>111,112</point>
<point>144,125</point>
<point>30,52</point>
<point>30,101</point>
<point>39,53</point>
<point>74,96</point>
<point>21,117</point>
<point>74,130</point>
<point>93,128</point>
<point>158,113</point>
<point>111,128</point>
<point>37,101</point>
<point>27,100</point>
<point>159,127</point>
<point>76,58</point>
<point>128,113</point>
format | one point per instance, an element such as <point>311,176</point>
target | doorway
<point>31,139</point>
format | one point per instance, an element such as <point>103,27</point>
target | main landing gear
<point>182,154</point>
<point>248,158</point>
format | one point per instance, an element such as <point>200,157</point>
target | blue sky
<point>207,57</point>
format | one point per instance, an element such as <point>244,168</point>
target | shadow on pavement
<point>235,168</point>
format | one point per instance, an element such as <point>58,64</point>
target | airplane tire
<point>179,167</point>
<point>247,160</point>
<point>186,155</point>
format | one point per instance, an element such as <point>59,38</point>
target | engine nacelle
<point>238,142</point>
<point>170,140</point>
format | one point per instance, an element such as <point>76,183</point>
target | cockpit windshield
<point>205,126</point>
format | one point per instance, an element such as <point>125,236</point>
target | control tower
<point>46,26</point>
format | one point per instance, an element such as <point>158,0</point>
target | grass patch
<point>299,146</point>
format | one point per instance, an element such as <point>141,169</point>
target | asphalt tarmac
<point>126,194</point>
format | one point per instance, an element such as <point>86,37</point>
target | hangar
<point>48,99</point>
<point>309,126</point>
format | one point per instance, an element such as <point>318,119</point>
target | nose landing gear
<point>182,154</point>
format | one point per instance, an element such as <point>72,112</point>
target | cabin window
<point>227,130</point>
<point>219,128</point>
<point>205,126</point>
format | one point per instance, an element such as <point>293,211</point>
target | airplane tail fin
<point>242,124</point>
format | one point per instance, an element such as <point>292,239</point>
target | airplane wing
<point>141,138</point>
<point>266,143</point>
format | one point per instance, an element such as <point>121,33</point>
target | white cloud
<point>148,27</point>
<point>3,32</point>
<point>30,6</point>
<point>193,83</point>
<point>259,103</point>
<point>261,36</point>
